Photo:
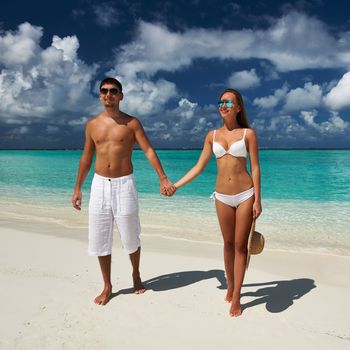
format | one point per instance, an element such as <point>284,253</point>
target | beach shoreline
<point>51,281</point>
<point>202,229</point>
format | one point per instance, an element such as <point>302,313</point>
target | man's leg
<point>135,262</point>
<point>105,264</point>
<point>128,222</point>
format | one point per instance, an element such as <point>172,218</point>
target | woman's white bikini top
<point>237,149</point>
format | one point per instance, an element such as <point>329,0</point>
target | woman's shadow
<point>278,295</point>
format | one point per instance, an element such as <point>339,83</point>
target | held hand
<point>76,200</point>
<point>167,188</point>
<point>257,209</point>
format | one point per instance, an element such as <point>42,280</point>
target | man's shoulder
<point>131,120</point>
<point>91,122</point>
<point>94,119</point>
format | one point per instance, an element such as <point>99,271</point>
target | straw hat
<point>256,243</point>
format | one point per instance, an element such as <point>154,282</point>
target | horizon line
<point>190,149</point>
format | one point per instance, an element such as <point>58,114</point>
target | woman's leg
<point>226,216</point>
<point>244,217</point>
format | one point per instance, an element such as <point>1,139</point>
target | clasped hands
<point>167,188</point>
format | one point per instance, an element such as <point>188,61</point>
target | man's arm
<point>166,187</point>
<point>84,167</point>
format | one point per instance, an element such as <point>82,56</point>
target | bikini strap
<point>245,131</point>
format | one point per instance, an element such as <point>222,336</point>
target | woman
<point>237,195</point>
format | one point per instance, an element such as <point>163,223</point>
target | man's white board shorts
<point>113,199</point>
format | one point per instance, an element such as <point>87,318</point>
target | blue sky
<point>290,60</point>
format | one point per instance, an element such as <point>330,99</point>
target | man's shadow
<point>178,280</point>
<point>278,295</point>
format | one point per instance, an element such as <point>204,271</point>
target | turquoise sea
<point>306,196</point>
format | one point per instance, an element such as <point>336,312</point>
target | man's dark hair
<point>113,81</point>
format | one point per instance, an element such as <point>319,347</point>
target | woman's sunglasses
<point>228,103</point>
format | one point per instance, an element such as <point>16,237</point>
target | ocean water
<point>305,193</point>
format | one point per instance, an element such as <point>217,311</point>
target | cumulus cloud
<point>187,119</point>
<point>156,48</point>
<point>106,14</point>
<point>20,130</point>
<point>144,97</point>
<point>244,79</point>
<point>19,48</point>
<point>51,129</point>
<point>335,124</point>
<point>194,120</point>
<point>271,101</point>
<point>68,46</point>
<point>285,130</point>
<point>285,124</point>
<point>308,97</point>
<point>339,96</point>
<point>280,130</point>
<point>37,83</point>
<point>41,83</point>
<point>188,108</point>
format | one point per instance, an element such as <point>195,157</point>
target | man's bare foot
<point>235,309</point>
<point>138,286</point>
<point>103,298</point>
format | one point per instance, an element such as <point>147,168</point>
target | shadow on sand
<point>278,295</point>
<point>178,280</point>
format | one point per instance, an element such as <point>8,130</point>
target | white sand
<point>48,284</point>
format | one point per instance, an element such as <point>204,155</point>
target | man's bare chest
<point>115,134</point>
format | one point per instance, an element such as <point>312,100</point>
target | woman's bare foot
<point>235,309</point>
<point>103,298</point>
<point>228,297</point>
<point>138,286</point>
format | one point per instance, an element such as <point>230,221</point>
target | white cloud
<point>334,125</point>
<point>191,119</point>
<point>279,130</point>
<point>38,83</point>
<point>156,48</point>
<point>284,44</point>
<point>339,96</point>
<point>144,97</point>
<point>187,108</point>
<point>51,129</point>
<point>19,48</point>
<point>270,102</point>
<point>244,79</point>
<point>308,97</point>
<point>69,46</point>
<point>284,124</point>
<point>78,122</point>
<point>20,130</point>
<point>106,14</point>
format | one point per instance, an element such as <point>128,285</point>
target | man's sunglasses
<point>112,91</point>
<point>228,103</point>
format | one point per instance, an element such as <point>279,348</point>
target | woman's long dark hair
<point>242,118</point>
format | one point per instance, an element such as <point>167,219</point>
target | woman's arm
<point>255,167</point>
<point>201,164</point>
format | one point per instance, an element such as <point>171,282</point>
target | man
<point>112,135</point>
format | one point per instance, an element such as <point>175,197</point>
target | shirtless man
<point>112,135</point>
